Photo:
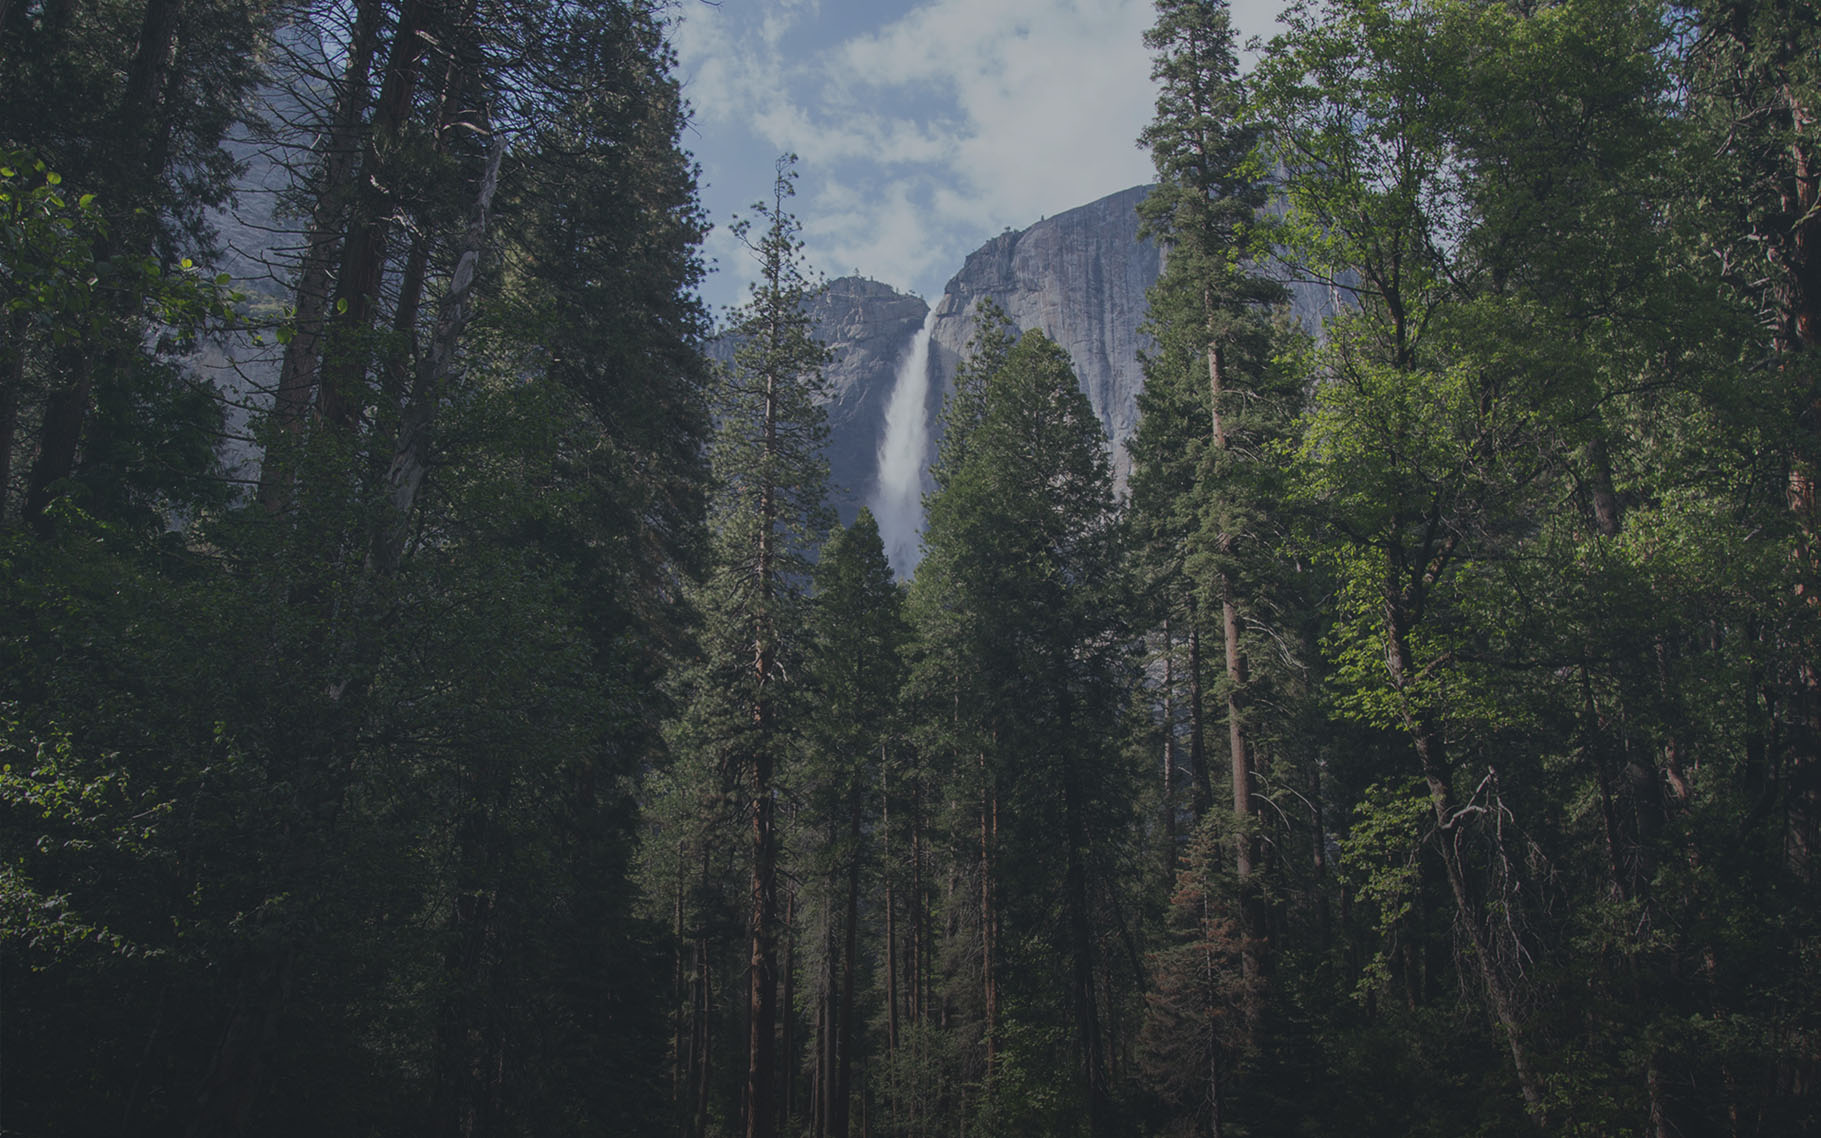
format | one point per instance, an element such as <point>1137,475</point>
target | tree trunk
<point>303,352</point>
<point>917,971</point>
<point>1169,754</point>
<point>357,291</point>
<point>787,1020</point>
<point>59,435</point>
<point>467,1089</point>
<point>1081,952</point>
<point>762,982</point>
<point>822,1098</point>
<point>850,951</point>
<point>1246,841</point>
<point>238,1069</point>
<point>678,987</point>
<point>703,1037</point>
<point>12,387</point>
<point>1431,754</point>
<point>1236,665</point>
<point>411,456</point>
<point>890,869</point>
<point>1198,750</point>
<point>989,916</point>
<point>761,996</point>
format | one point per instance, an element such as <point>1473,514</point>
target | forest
<point>475,723</point>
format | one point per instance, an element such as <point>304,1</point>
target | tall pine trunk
<point>302,357</point>
<point>762,977</point>
<point>850,952</point>
<point>339,392</point>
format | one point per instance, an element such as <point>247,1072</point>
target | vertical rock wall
<point>1080,278</point>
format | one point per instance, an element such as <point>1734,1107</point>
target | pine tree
<point>1201,489</point>
<point>1018,653</point>
<point>1198,1019</point>
<point>854,669</point>
<point>766,516</point>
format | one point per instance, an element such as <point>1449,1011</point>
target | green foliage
<point>304,832</point>
<point>62,811</point>
<point>1018,656</point>
<point>1381,852</point>
<point>72,303</point>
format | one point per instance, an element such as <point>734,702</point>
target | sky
<point>922,127</point>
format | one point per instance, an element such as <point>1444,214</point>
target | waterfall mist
<point>897,500</point>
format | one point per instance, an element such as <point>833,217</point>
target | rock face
<point>868,327</point>
<point>1080,278</point>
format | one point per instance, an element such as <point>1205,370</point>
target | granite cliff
<point>1080,278</point>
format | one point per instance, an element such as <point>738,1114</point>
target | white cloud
<point>870,234</point>
<point>1052,94</point>
<point>922,137</point>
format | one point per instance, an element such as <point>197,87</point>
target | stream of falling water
<point>898,497</point>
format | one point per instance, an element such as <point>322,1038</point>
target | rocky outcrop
<point>867,327</point>
<point>1080,278</point>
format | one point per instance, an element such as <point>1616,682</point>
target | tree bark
<point>1198,749</point>
<point>411,457</point>
<point>1431,755</point>
<point>357,288</point>
<point>303,353</point>
<point>890,868</point>
<point>839,1116</point>
<point>1245,842</point>
<point>678,988</point>
<point>468,1076</point>
<point>761,994</point>
<point>1169,754</point>
<point>239,1066</point>
<point>1081,951</point>
<point>989,917</point>
<point>59,436</point>
<point>703,1037</point>
<point>917,970</point>
<point>787,1020</point>
<point>12,387</point>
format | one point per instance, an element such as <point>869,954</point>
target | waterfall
<point>897,500</point>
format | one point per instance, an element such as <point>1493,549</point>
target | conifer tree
<point>1198,1008</point>
<point>1213,407</point>
<point>854,669</point>
<point>1018,653</point>
<point>766,516</point>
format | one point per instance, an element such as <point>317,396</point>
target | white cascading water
<point>897,500</point>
